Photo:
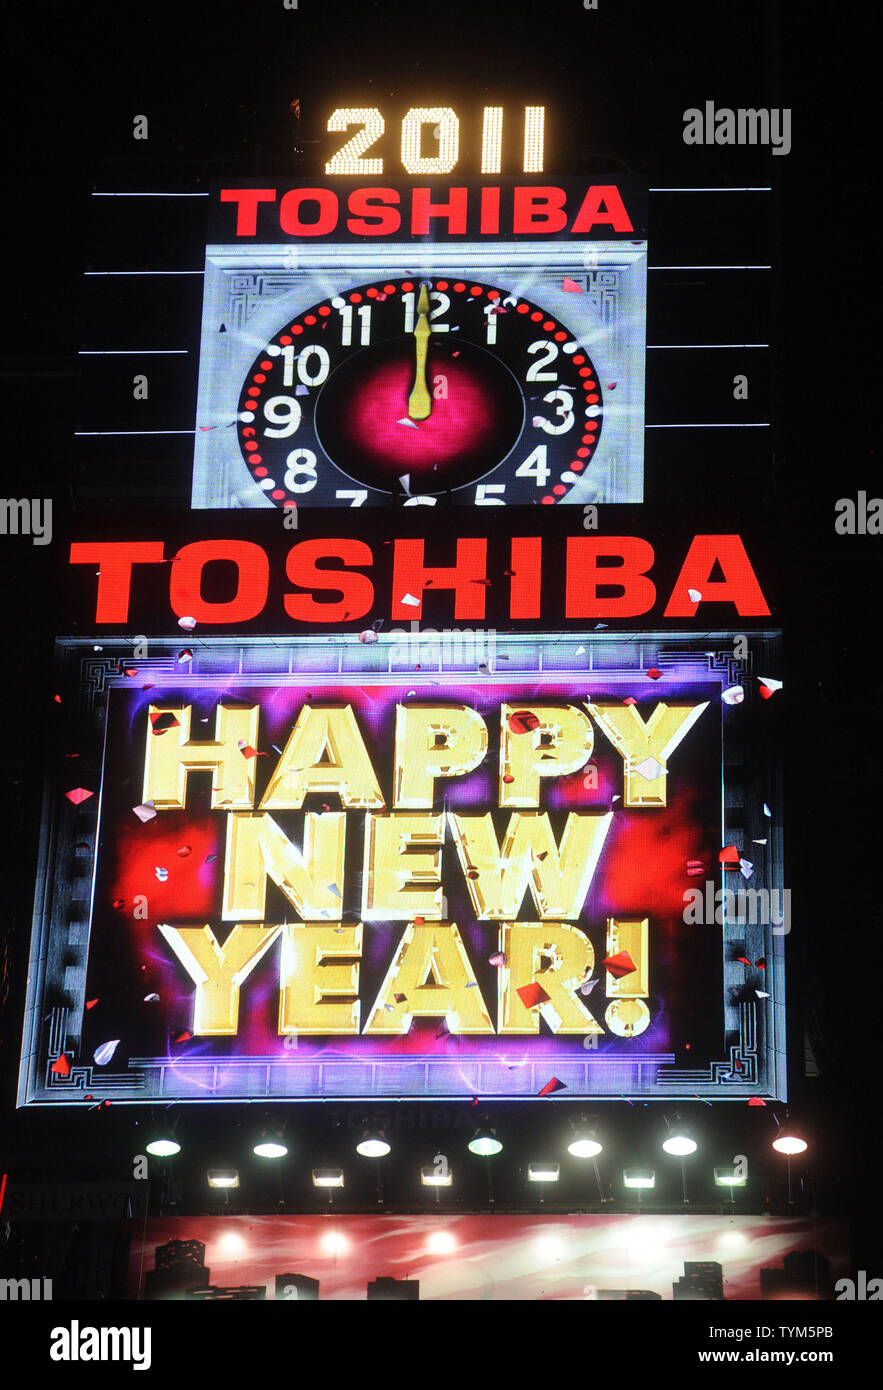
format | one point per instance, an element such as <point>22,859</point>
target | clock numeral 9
<point>300,471</point>
<point>283,411</point>
<point>564,413</point>
<point>304,358</point>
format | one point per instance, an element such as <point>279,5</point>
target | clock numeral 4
<point>535,466</point>
<point>483,498</point>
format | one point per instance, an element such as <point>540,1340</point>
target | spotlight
<point>729,1177</point>
<point>584,1144</point>
<point>163,1146</point>
<point>223,1177</point>
<point>679,1142</point>
<point>431,1177</point>
<point>372,1144</point>
<point>543,1172</point>
<point>789,1141</point>
<point>328,1177</point>
<point>270,1145</point>
<point>484,1142</point>
<point>639,1177</point>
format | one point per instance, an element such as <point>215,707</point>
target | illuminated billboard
<point>366,344</point>
<point>412,864</point>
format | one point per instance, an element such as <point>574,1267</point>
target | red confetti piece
<point>472,873</point>
<point>620,964</point>
<point>571,286</point>
<point>78,795</point>
<point>61,1066</point>
<point>729,855</point>
<point>766,693</point>
<point>184,1036</point>
<point>183,851</point>
<point>742,960</point>
<point>400,998</point>
<point>507,777</point>
<point>531,995</point>
<point>551,1087</point>
<point>761,964</point>
<point>522,721</point>
<point>162,720</point>
<point>419,922</point>
<point>629,700</point>
<point>57,699</point>
<point>654,674</point>
<point>756,1100</point>
<point>90,1003</point>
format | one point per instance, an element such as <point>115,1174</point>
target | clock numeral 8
<point>300,471</point>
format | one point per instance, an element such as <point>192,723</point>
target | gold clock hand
<point>420,401</point>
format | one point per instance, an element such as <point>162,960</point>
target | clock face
<point>420,387</point>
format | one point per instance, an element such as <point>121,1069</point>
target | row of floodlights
<point>679,1142</point>
<point>536,1172</point>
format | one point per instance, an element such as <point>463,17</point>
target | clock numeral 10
<point>307,376</point>
<point>445,123</point>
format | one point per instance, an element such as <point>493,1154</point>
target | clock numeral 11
<point>346,331</point>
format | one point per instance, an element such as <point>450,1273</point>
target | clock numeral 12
<point>441,302</point>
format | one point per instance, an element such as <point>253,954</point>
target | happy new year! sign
<point>333,868</point>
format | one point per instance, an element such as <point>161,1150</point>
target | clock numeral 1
<point>346,332</point>
<point>355,496</point>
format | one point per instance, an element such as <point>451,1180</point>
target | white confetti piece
<point>409,601</point>
<point>104,1053</point>
<point>146,812</point>
<point>733,695</point>
<point>746,868</point>
<point>187,623</point>
<point>694,596</point>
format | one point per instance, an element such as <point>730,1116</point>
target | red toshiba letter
<point>247,200</point>
<point>739,585</point>
<point>602,207</point>
<point>369,216</point>
<point>115,560</point>
<point>585,576</point>
<point>538,209</point>
<point>422,210</point>
<point>356,590</point>
<point>293,224</point>
<point>467,578</point>
<point>525,590</point>
<point>252,581</point>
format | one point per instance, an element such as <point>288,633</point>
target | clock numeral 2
<point>551,353</point>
